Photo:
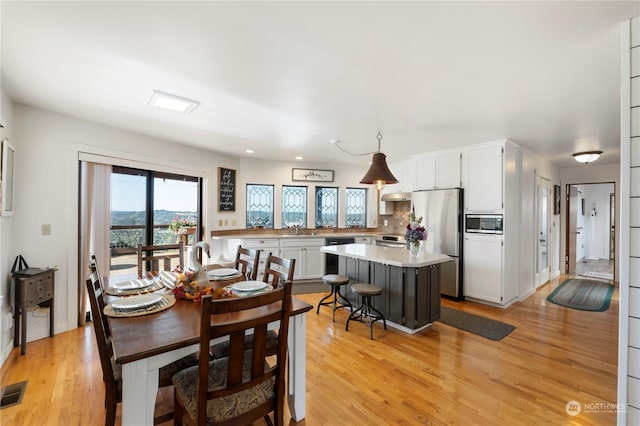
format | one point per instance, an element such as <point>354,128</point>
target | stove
<point>396,241</point>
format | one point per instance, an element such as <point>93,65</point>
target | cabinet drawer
<point>260,243</point>
<point>302,242</point>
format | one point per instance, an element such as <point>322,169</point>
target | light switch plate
<point>46,229</point>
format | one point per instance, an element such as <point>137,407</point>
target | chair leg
<point>354,315</point>
<point>177,410</point>
<point>112,404</point>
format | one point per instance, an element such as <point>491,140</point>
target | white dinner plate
<point>137,302</point>
<point>222,272</point>
<point>249,286</point>
<point>133,284</point>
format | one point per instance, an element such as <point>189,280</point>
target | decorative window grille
<point>259,206</point>
<point>326,207</point>
<point>294,206</point>
<point>356,208</point>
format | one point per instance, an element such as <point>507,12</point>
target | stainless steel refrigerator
<point>441,211</point>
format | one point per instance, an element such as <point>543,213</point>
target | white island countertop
<point>387,255</point>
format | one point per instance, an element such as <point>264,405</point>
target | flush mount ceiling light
<point>378,174</point>
<point>587,156</point>
<point>172,102</point>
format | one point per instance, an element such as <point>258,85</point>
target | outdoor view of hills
<point>124,238</point>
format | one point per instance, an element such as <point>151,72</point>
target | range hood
<point>396,196</point>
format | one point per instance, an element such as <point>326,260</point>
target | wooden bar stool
<point>367,291</point>
<point>335,281</point>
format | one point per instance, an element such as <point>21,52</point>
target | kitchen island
<point>411,284</point>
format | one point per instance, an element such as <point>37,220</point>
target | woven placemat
<point>166,302</point>
<point>114,291</point>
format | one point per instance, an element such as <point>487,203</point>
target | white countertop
<point>387,255</point>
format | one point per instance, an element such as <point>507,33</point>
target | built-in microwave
<point>483,223</point>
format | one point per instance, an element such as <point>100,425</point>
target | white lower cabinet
<point>266,246</point>
<point>306,252</point>
<point>483,279</point>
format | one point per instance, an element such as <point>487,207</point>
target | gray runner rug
<point>485,327</point>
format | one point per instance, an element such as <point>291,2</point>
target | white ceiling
<point>284,78</point>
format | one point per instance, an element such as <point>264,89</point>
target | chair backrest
<point>247,261</point>
<point>276,275</point>
<point>102,332</point>
<point>273,306</point>
<point>93,265</point>
<point>149,257</point>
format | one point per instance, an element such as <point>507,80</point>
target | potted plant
<point>183,226</point>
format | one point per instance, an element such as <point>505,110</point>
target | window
<point>326,207</point>
<point>356,208</point>
<point>294,206</point>
<point>259,206</point>
<point>143,204</point>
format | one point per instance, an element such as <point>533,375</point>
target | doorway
<point>543,229</point>
<point>590,221</point>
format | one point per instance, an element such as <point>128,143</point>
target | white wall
<point>47,147</point>
<point>6,239</point>
<point>590,173</point>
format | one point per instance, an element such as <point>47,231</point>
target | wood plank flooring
<point>441,375</point>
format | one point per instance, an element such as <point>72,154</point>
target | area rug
<point>485,327</point>
<point>586,295</point>
<point>594,274</point>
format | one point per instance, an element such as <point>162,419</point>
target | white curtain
<point>95,220</point>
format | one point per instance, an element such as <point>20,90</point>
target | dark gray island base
<point>411,286</point>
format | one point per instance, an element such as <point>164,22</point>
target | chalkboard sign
<point>227,190</point>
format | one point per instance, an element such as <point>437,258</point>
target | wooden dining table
<point>144,344</point>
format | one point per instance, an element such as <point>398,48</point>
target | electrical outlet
<point>46,229</point>
<point>386,222</point>
<point>220,222</point>
<point>226,222</point>
<point>233,222</point>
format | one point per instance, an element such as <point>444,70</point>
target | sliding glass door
<point>149,207</point>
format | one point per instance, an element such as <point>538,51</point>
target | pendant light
<point>379,173</point>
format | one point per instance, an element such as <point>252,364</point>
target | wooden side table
<point>34,286</point>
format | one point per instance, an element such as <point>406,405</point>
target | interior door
<point>572,229</point>
<point>543,202</point>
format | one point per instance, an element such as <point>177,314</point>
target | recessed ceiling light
<point>249,151</point>
<point>172,102</point>
<point>299,157</point>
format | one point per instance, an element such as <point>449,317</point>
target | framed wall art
<point>8,164</point>
<point>226,190</point>
<point>312,175</point>
<point>556,199</point>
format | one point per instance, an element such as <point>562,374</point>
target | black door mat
<point>485,327</point>
<point>12,394</point>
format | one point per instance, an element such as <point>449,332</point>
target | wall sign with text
<point>312,175</point>
<point>227,190</point>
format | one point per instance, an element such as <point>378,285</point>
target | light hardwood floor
<point>439,376</point>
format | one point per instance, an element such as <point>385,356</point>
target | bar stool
<point>335,281</point>
<point>367,291</point>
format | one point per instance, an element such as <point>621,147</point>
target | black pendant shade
<point>378,172</point>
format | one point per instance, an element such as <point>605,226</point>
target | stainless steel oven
<point>483,223</point>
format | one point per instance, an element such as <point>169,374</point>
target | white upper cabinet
<point>435,171</point>
<point>483,189</point>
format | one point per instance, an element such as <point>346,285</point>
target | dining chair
<point>247,261</point>
<point>278,270</point>
<point>149,257</point>
<point>244,386</point>
<point>111,371</point>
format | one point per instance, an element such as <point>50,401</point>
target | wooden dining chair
<point>149,257</point>
<point>242,387</point>
<point>247,261</point>
<point>111,371</point>
<point>278,270</point>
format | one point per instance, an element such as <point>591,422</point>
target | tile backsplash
<point>397,222</point>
